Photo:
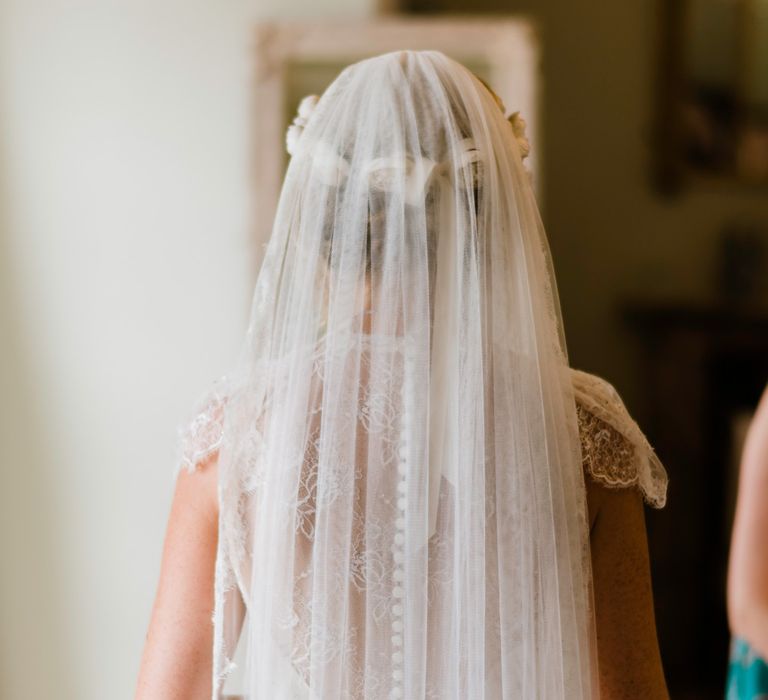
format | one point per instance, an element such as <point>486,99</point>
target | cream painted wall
<point>125,263</point>
<point>125,279</point>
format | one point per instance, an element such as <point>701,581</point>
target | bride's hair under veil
<point>402,506</point>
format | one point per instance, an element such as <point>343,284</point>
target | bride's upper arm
<point>621,471</point>
<point>177,659</point>
<point>628,652</point>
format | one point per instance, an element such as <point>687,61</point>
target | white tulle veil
<point>402,504</point>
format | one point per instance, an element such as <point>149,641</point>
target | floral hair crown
<point>308,104</point>
<point>385,172</point>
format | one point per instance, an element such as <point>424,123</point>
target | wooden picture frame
<point>295,59</point>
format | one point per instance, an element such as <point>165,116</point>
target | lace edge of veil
<point>615,452</point>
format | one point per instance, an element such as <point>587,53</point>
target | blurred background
<point>140,143</point>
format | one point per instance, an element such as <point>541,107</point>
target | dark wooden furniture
<point>701,366</point>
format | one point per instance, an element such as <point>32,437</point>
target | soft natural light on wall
<point>126,267</point>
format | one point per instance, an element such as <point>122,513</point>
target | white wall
<point>125,279</point>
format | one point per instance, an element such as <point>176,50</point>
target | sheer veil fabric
<point>402,504</point>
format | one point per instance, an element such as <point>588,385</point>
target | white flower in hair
<point>292,136</point>
<point>518,129</point>
<point>326,165</point>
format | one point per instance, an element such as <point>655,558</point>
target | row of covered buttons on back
<point>398,590</point>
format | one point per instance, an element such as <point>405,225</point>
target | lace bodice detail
<point>201,436</point>
<point>614,451</point>
<point>607,455</point>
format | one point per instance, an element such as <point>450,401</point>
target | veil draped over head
<point>402,504</point>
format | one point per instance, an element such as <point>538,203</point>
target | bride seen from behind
<point>402,490</point>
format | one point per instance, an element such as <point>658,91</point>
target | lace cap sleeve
<point>615,451</point>
<point>201,434</point>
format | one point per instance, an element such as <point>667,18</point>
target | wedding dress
<point>402,447</point>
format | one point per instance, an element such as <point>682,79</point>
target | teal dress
<point>747,674</point>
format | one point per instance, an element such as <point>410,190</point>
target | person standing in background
<point>748,568</point>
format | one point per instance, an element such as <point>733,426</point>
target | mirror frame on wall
<point>671,173</point>
<point>508,47</point>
